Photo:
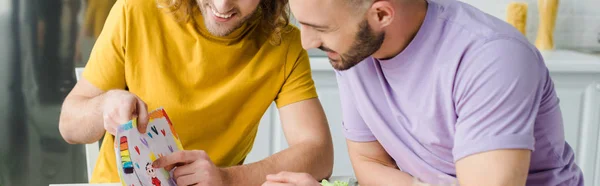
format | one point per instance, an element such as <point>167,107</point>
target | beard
<point>222,29</point>
<point>366,42</point>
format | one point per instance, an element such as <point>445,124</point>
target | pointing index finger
<point>176,159</point>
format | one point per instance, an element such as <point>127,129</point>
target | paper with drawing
<point>135,152</point>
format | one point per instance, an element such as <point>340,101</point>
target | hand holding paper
<point>135,151</point>
<point>119,106</point>
<point>193,168</point>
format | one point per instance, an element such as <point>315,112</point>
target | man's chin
<point>219,32</point>
<point>337,65</point>
<point>341,65</point>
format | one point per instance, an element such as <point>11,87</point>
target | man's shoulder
<point>478,34</point>
<point>462,18</point>
<point>290,35</point>
<point>287,41</point>
<point>291,29</point>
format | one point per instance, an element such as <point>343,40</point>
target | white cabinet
<point>577,83</point>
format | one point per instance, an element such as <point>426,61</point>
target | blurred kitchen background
<point>577,23</point>
<point>42,41</point>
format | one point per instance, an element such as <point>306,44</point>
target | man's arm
<point>81,114</point>
<point>98,102</point>
<point>494,168</point>
<point>310,147</point>
<point>88,112</point>
<point>499,91</point>
<point>374,166</point>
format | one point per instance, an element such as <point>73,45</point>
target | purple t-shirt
<point>467,83</point>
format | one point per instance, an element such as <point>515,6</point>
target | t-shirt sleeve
<point>354,127</point>
<point>497,93</point>
<point>298,83</point>
<point>105,68</point>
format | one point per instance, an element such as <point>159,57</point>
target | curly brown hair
<point>273,15</point>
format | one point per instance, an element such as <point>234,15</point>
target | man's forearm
<point>310,157</point>
<point>81,120</point>
<point>374,173</point>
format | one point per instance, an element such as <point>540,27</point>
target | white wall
<point>577,25</point>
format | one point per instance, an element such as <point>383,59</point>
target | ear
<point>381,14</point>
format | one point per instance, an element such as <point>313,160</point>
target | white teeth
<point>224,16</point>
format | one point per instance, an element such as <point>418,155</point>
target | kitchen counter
<point>556,60</point>
<point>571,61</point>
<point>87,184</point>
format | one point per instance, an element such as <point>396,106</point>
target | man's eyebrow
<point>314,25</point>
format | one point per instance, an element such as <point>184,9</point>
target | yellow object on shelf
<point>516,15</point>
<point>548,10</point>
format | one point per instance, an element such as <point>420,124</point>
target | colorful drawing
<point>152,174</point>
<point>144,141</point>
<point>125,158</point>
<point>152,156</point>
<point>162,114</point>
<point>135,169</point>
<point>154,130</point>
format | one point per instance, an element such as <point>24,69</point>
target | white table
<point>87,184</point>
<point>349,179</point>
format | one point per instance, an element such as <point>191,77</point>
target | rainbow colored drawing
<point>125,157</point>
<point>134,151</point>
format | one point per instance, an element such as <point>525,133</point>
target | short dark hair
<point>358,3</point>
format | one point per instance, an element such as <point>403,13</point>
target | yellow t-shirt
<point>215,89</point>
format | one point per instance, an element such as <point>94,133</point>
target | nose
<point>309,38</point>
<point>222,6</point>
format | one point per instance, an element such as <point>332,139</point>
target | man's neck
<point>406,24</point>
